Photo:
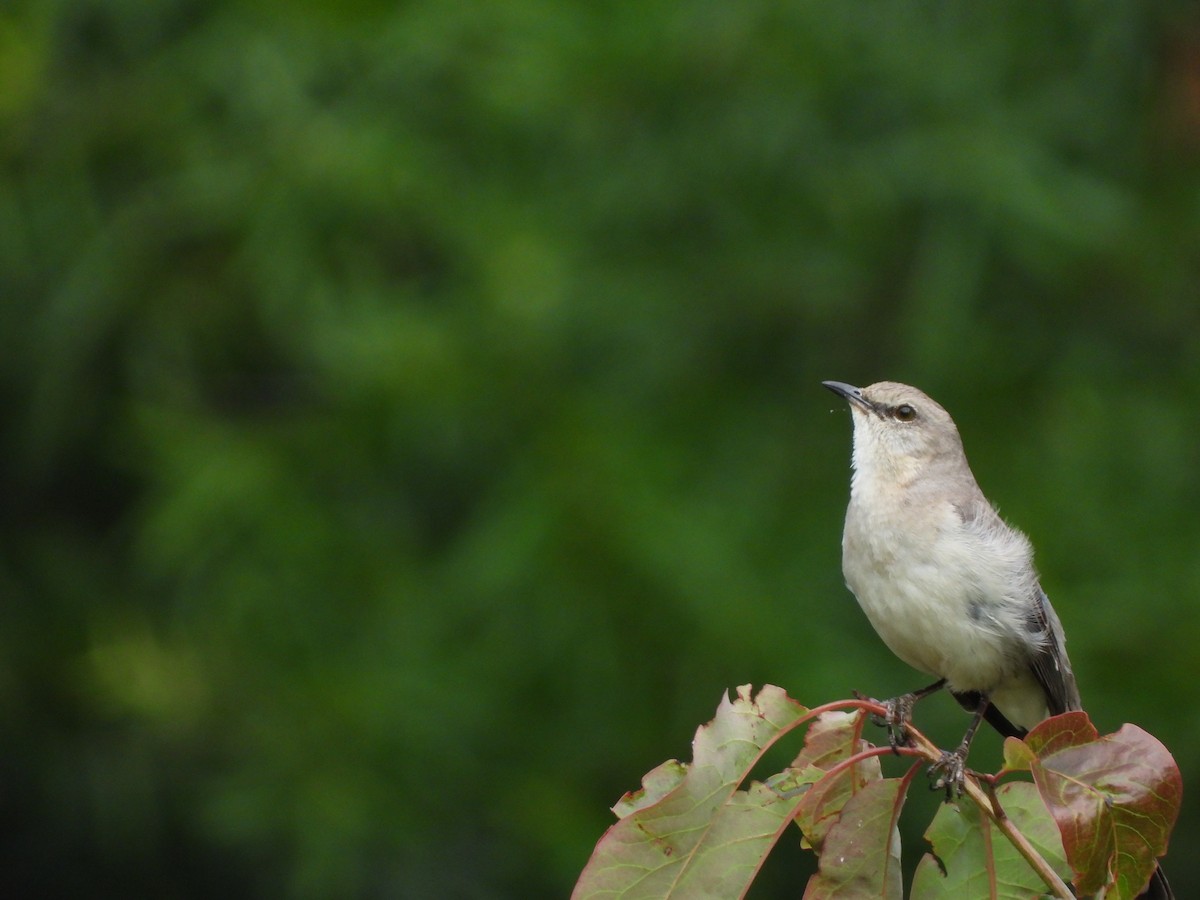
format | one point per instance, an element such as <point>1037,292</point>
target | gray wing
<point>1049,661</point>
<point>1050,664</point>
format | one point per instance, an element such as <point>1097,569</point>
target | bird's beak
<point>851,393</point>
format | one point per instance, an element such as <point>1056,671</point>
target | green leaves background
<point>412,420</point>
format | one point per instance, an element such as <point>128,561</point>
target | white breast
<point>940,592</point>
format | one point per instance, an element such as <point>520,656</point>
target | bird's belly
<point>926,619</point>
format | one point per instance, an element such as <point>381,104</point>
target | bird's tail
<point>1158,889</point>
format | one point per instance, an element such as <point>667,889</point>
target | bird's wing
<point>1050,664</point>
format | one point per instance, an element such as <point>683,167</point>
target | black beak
<point>851,393</point>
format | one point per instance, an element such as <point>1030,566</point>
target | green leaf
<point>1115,799</point>
<point>972,858</point>
<point>1018,757</point>
<point>698,835</point>
<point>656,784</point>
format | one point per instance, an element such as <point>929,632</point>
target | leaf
<point>1018,756</point>
<point>740,836</point>
<point>1071,729</point>
<point>656,784</point>
<point>833,738</point>
<point>1115,799</point>
<point>860,857</point>
<point>689,832</point>
<point>972,858</point>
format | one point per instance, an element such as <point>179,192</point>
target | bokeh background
<point>412,420</point>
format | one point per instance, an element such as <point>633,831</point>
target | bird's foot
<point>895,719</point>
<point>949,773</point>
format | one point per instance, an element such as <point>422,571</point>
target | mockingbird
<point>948,585</point>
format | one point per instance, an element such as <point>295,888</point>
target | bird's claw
<point>897,715</point>
<point>949,774</point>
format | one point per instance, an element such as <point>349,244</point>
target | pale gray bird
<point>948,585</point>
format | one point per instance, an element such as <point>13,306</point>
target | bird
<point>949,586</point>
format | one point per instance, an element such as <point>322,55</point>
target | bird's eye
<point>905,413</point>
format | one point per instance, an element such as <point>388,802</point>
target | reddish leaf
<point>1115,799</point>
<point>861,853</point>
<point>1071,729</point>
<point>833,738</point>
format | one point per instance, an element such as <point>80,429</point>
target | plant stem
<point>972,789</point>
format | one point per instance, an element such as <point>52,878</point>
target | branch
<point>987,803</point>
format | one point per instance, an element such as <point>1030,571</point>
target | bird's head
<point>899,431</point>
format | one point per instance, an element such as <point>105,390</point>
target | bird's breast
<point>917,579</point>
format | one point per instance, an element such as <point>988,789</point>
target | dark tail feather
<point>1158,889</point>
<point>970,700</point>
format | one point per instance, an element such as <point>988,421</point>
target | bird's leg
<point>950,771</point>
<point>899,713</point>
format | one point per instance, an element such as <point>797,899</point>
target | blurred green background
<point>412,419</point>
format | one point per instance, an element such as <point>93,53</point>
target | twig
<point>972,789</point>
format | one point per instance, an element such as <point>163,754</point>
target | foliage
<point>691,831</point>
<point>412,411</point>
<point>1115,798</point>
